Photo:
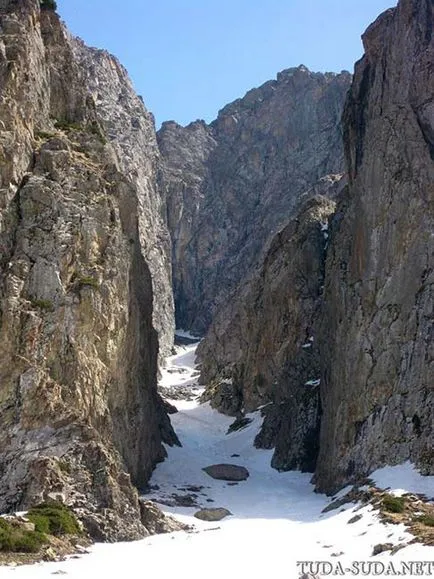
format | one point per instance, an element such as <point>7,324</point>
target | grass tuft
<point>43,305</point>
<point>393,504</point>
<point>427,520</point>
<point>54,518</point>
<point>64,125</point>
<point>87,281</point>
<point>14,540</point>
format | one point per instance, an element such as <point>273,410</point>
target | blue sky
<point>189,58</point>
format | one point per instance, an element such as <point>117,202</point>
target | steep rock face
<point>130,130</point>
<point>262,348</point>
<point>78,347</point>
<point>185,152</point>
<point>377,332</point>
<point>231,185</point>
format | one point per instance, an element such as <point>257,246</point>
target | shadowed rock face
<point>78,340</point>
<point>366,340</point>
<point>377,330</point>
<point>262,348</point>
<point>233,184</point>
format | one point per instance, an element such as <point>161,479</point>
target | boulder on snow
<point>156,521</point>
<point>381,548</point>
<point>169,408</point>
<point>215,514</point>
<point>231,472</point>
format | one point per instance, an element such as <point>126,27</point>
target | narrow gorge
<point>294,234</point>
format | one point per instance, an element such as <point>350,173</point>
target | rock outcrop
<point>79,228</point>
<point>262,348</point>
<point>233,184</point>
<point>130,131</point>
<point>215,514</point>
<point>377,329</point>
<point>365,342</point>
<point>229,472</point>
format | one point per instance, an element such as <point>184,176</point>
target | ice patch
<point>315,382</point>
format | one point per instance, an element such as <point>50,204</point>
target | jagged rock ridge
<point>232,184</point>
<point>79,240</point>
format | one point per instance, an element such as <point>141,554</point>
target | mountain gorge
<point>294,232</point>
<point>335,336</point>
<point>230,185</point>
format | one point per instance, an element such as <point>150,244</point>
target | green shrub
<point>43,135</point>
<point>65,466</point>
<point>427,520</point>
<point>64,125</point>
<point>393,504</point>
<point>6,541</point>
<point>14,540</point>
<point>48,4</point>
<point>54,518</point>
<point>43,305</point>
<point>87,281</point>
<point>42,523</point>
<point>29,542</point>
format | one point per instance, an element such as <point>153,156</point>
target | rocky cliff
<point>341,351</point>
<point>131,132</point>
<point>377,330</point>
<point>231,185</point>
<point>79,228</point>
<point>262,347</point>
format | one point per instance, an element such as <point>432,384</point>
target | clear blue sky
<point>189,58</point>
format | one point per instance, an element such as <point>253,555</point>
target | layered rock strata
<point>81,417</point>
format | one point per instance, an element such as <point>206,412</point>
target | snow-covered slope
<point>276,518</point>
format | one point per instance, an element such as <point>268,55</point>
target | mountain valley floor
<point>276,518</point>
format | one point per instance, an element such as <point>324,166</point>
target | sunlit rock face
<point>80,415</point>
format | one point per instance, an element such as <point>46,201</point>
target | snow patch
<point>277,516</point>
<point>404,478</point>
<point>186,334</point>
<point>315,382</point>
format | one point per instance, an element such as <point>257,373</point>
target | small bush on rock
<point>393,504</point>
<point>87,281</point>
<point>64,125</point>
<point>54,518</point>
<point>427,520</point>
<point>14,540</point>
